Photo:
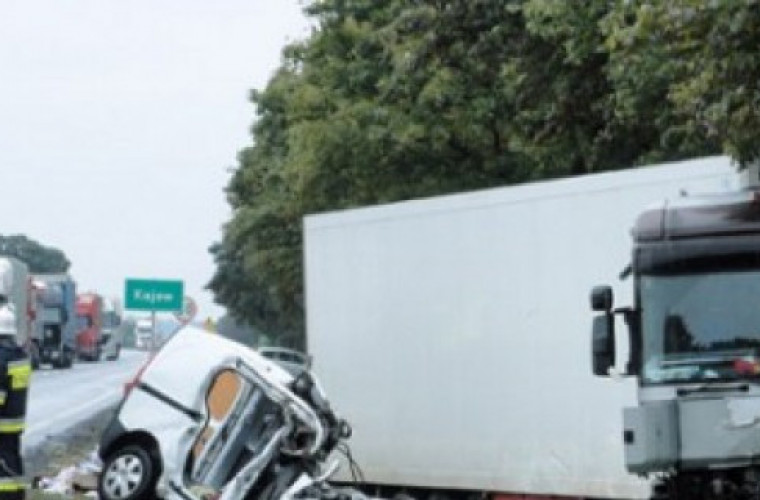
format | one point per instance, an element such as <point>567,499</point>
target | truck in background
<point>16,285</point>
<point>694,346</point>
<point>450,333</point>
<point>89,326</point>
<point>128,337</point>
<point>144,338</point>
<point>113,333</point>
<point>54,338</point>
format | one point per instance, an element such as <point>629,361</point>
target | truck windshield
<point>83,322</point>
<point>701,327</point>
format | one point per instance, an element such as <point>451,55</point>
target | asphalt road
<point>61,399</point>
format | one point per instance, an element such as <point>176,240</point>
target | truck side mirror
<point>601,298</point>
<point>603,344</point>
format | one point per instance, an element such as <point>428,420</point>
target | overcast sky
<point>119,122</point>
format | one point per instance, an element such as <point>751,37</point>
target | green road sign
<point>153,295</point>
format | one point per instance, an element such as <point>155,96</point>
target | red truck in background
<point>89,326</point>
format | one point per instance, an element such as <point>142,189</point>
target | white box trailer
<point>453,332</point>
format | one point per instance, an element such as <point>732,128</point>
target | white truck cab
<point>144,334</point>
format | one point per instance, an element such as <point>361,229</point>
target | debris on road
<point>81,478</point>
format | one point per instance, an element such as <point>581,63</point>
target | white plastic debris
<point>92,464</point>
<point>82,477</point>
<point>60,484</point>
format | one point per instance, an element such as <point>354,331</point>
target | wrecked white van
<point>207,418</point>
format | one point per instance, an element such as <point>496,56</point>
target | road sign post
<point>188,312</point>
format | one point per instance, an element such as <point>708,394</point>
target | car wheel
<point>129,473</point>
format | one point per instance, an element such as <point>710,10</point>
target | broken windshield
<point>701,327</point>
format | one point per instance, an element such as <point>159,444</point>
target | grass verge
<point>56,453</point>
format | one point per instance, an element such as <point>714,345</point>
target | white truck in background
<point>144,337</point>
<point>16,285</point>
<point>452,333</point>
<point>54,338</point>
<point>113,332</point>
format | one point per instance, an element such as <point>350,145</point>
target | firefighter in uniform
<point>15,371</point>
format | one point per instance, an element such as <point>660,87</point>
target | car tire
<point>129,473</point>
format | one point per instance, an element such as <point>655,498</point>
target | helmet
<point>7,321</point>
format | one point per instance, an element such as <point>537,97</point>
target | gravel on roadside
<point>59,452</point>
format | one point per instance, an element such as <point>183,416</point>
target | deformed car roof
<point>182,365</point>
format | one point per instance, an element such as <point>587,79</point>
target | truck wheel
<point>115,355</point>
<point>60,361</point>
<point>129,473</point>
<point>34,356</point>
<point>68,358</point>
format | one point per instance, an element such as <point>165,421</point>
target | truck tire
<point>115,355</point>
<point>60,361</point>
<point>91,356</point>
<point>68,358</point>
<point>34,356</point>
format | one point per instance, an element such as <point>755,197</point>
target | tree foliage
<point>39,258</point>
<point>231,328</point>
<point>387,101</point>
<point>700,57</point>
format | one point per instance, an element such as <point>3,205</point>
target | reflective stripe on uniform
<point>20,371</point>
<point>3,395</point>
<point>9,484</point>
<point>11,426</point>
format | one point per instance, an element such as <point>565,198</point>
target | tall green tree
<point>698,59</point>
<point>39,258</point>
<point>387,101</point>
